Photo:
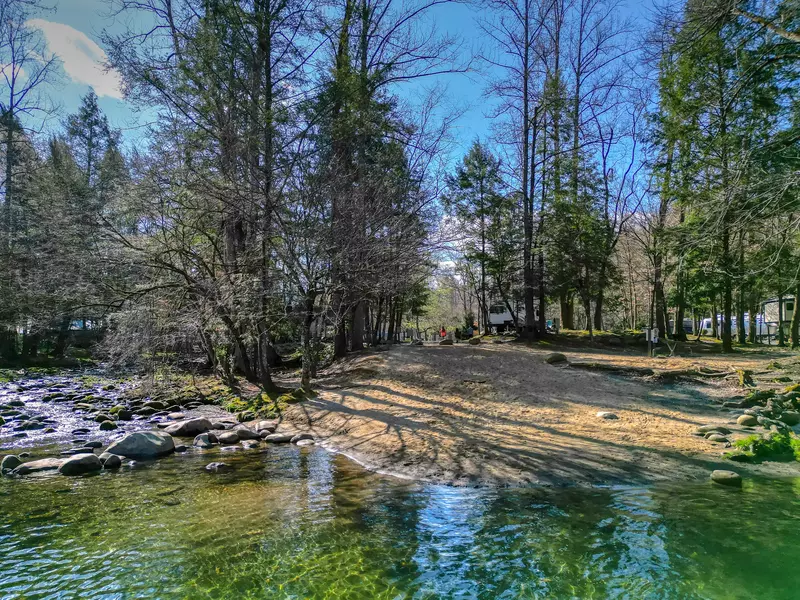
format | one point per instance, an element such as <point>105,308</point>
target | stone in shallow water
<point>34,466</point>
<point>251,444</point>
<point>143,444</point>
<point>228,437</point>
<point>218,467</point>
<point>305,443</point>
<point>279,438</point>
<point>300,437</point>
<point>112,462</point>
<point>729,478</point>
<point>80,464</point>
<point>10,462</point>
<point>108,426</point>
<point>203,441</point>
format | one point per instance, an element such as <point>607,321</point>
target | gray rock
<point>714,429</point>
<point>790,417</point>
<point>80,464</point>
<point>279,438</point>
<point>747,421</point>
<point>181,448</point>
<point>728,478</point>
<point>93,444</point>
<point>34,466</point>
<point>251,444</point>
<point>203,441</point>
<point>245,433</point>
<point>125,415</point>
<point>716,437</point>
<point>228,437</point>
<point>176,416</point>
<point>474,341</point>
<point>266,425</point>
<point>220,425</point>
<point>112,462</point>
<point>10,463</point>
<point>189,427</point>
<point>555,358</point>
<point>305,443</point>
<point>301,436</point>
<point>108,426</point>
<point>604,414</point>
<point>102,417</point>
<point>218,467</point>
<point>143,444</point>
<point>446,343</point>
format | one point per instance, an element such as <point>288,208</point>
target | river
<point>290,522</point>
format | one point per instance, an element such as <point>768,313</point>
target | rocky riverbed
<point>76,423</point>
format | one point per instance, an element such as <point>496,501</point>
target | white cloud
<point>82,58</point>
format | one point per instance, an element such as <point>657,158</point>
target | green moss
<point>792,388</point>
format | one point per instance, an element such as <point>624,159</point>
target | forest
<point>301,191</point>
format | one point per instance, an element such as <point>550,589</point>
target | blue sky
<point>74,28</point>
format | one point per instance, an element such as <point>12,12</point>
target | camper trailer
<point>500,317</point>
<point>761,326</point>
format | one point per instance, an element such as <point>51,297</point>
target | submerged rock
<point>80,464</point>
<point>729,478</point>
<point>217,467</point>
<point>143,444</point>
<point>189,427</point>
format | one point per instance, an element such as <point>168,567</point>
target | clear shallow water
<point>302,523</point>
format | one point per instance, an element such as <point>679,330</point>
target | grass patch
<point>775,446</point>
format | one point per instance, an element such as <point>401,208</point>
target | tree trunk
<point>357,326</point>
<point>795,326</point>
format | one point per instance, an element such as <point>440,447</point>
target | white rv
<point>500,317</point>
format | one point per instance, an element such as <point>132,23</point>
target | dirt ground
<point>499,414</point>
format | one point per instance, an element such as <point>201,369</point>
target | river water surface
<point>293,522</point>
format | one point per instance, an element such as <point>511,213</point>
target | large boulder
<point>790,417</point>
<point>79,464</point>
<point>34,466</point>
<point>189,427</point>
<point>143,444</point>
<point>266,426</point>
